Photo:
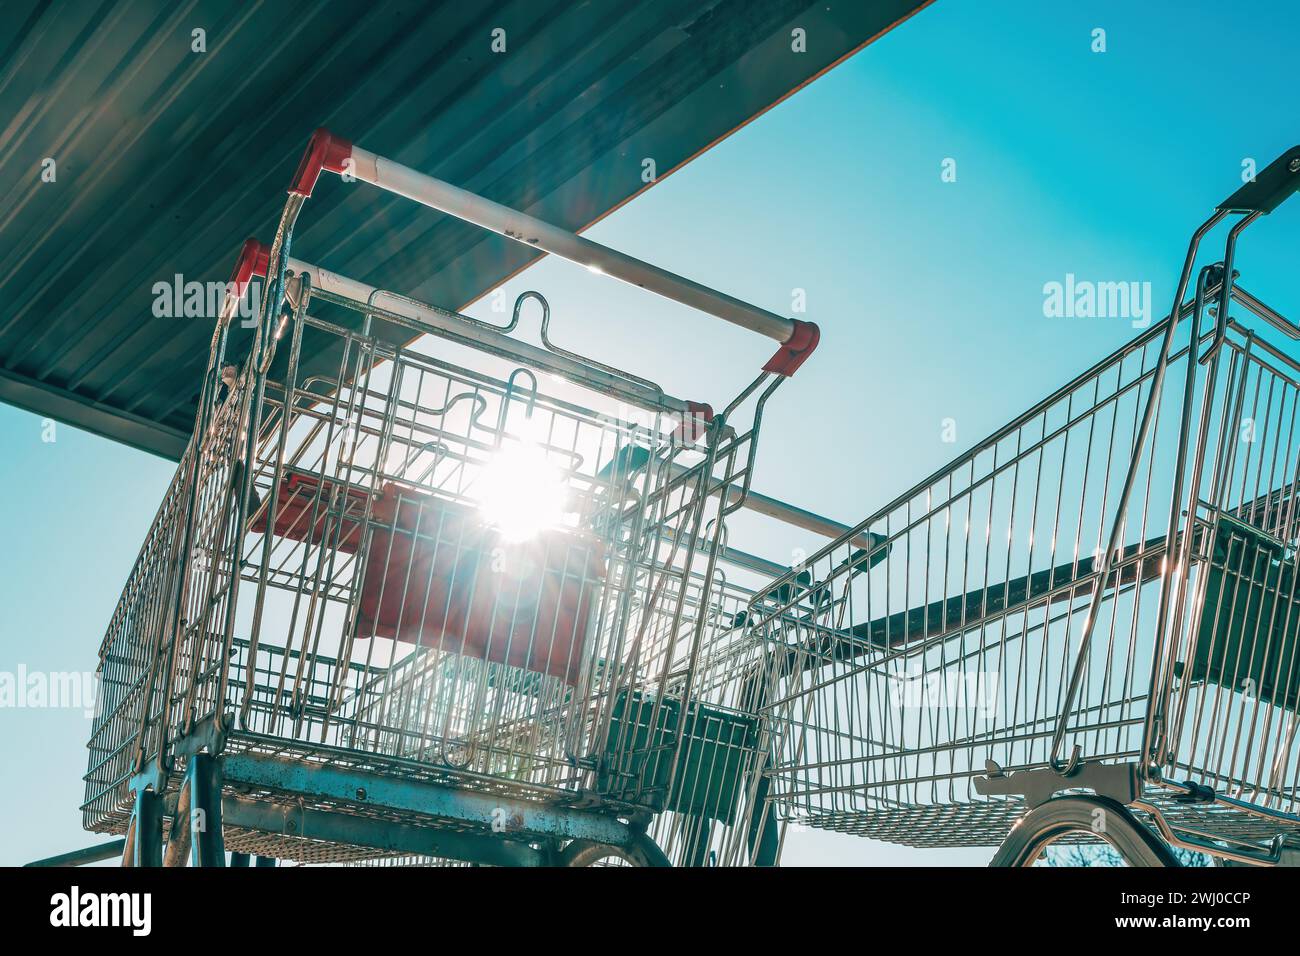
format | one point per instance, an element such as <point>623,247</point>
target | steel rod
<point>431,319</point>
<point>521,227</point>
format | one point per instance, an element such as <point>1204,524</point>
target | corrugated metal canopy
<point>165,158</point>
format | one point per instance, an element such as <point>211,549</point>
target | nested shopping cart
<point>464,598</point>
<point>1086,627</point>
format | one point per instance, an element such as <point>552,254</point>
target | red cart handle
<point>324,151</point>
<point>795,351</point>
<point>254,259</point>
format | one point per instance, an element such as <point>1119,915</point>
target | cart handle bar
<point>693,417</point>
<point>325,151</point>
<point>1272,186</point>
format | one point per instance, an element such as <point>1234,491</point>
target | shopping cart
<point>459,600</point>
<point>1084,628</point>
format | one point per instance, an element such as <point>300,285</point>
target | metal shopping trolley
<point>464,600</point>
<point>1086,627</point>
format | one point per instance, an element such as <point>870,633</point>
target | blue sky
<point>929,295</point>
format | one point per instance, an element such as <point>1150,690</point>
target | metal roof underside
<point>166,159</point>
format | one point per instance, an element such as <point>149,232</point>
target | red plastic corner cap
<point>796,349</point>
<point>695,422</point>
<point>324,151</point>
<point>254,258</point>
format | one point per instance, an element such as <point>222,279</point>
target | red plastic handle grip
<point>795,351</point>
<point>254,258</point>
<point>324,151</point>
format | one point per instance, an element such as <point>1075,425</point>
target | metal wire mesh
<point>412,562</point>
<point>898,671</point>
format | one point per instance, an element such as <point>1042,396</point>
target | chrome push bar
<point>326,151</point>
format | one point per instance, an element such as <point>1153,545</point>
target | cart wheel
<point>642,851</point>
<point>1101,817</point>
